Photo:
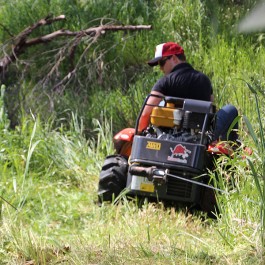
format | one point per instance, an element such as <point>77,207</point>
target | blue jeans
<point>224,118</point>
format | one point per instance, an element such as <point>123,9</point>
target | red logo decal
<point>179,153</point>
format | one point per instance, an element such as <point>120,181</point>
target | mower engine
<point>170,158</point>
<point>169,161</point>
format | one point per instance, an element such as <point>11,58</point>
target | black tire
<point>112,178</point>
<point>208,202</point>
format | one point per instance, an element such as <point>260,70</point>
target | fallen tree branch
<point>19,42</point>
<point>22,41</point>
<point>93,32</point>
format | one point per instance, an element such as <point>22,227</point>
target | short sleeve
<point>160,86</point>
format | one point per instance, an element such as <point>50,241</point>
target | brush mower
<point>170,160</point>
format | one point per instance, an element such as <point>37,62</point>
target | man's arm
<point>145,117</point>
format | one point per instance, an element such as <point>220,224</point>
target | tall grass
<point>257,164</point>
<point>152,234</point>
<point>49,163</point>
<point>50,178</point>
<point>60,221</point>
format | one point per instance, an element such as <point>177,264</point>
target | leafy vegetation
<point>53,142</point>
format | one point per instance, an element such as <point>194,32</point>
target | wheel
<point>208,202</point>
<point>112,178</point>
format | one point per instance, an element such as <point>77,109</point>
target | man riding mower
<point>169,161</point>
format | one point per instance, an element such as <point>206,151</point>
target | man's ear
<point>175,58</point>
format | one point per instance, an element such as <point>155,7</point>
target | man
<point>182,80</point>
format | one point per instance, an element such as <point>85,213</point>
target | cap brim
<point>154,61</point>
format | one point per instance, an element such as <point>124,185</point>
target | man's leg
<point>224,117</point>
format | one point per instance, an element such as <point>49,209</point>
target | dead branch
<point>93,32</point>
<point>19,42</point>
<point>22,40</point>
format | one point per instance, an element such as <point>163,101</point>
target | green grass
<point>49,164</point>
<point>124,234</point>
<point>51,176</point>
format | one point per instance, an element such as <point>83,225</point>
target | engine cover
<point>168,154</point>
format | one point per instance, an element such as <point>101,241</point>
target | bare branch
<point>19,41</point>
<point>45,21</point>
<point>22,41</point>
<point>93,32</point>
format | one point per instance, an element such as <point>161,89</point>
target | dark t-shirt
<point>185,82</point>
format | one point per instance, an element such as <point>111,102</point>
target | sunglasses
<point>162,62</point>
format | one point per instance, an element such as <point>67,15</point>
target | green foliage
<point>257,165</point>
<point>18,15</point>
<point>117,61</point>
<point>51,158</point>
<point>4,122</point>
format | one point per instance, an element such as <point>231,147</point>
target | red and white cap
<point>166,49</point>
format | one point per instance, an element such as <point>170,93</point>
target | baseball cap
<point>165,49</point>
